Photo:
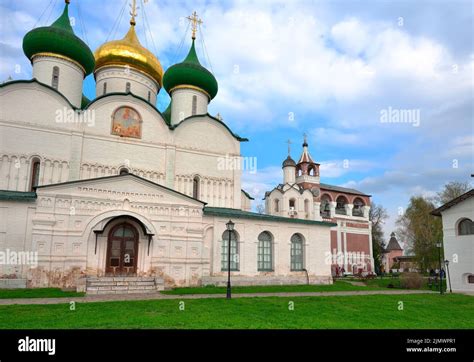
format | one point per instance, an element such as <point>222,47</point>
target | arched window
<point>234,251</point>
<point>127,87</point>
<point>297,252</point>
<point>35,172</point>
<point>105,88</point>
<point>466,227</point>
<point>311,171</point>
<point>341,203</point>
<point>194,110</point>
<point>358,207</point>
<point>325,209</point>
<point>124,171</point>
<point>265,251</point>
<point>292,203</point>
<point>196,183</point>
<point>277,205</point>
<point>55,78</point>
<point>470,279</point>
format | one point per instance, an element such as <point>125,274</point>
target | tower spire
<point>195,22</point>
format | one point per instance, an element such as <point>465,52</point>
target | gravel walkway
<point>159,296</point>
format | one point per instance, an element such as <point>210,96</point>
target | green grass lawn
<point>37,293</point>
<point>420,311</point>
<point>336,287</point>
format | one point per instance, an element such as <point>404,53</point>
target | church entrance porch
<point>122,250</point>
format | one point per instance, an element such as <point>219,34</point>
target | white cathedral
<point>112,189</point>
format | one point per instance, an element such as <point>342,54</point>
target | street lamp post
<point>446,262</point>
<point>230,229</point>
<point>439,245</point>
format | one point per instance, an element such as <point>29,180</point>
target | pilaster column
<point>332,209</point>
<point>317,211</point>
<point>365,211</point>
<point>349,208</point>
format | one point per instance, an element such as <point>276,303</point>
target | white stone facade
<point>81,196</point>
<point>70,75</point>
<point>459,249</point>
<point>122,79</point>
<point>187,102</point>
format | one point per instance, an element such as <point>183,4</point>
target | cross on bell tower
<point>289,147</point>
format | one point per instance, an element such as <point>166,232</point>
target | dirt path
<point>159,296</point>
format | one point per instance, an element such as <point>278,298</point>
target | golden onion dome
<point>129,52</point>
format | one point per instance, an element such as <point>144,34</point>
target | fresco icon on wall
<point>126,122</point>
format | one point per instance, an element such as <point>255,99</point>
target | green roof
<point>84,101</point>
<point>17,195</point>
<point>240,214</point>
<point>247,194</point>
<point>190,72</point>
<point>59,38</point>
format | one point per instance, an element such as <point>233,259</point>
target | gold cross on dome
<point>133,12</point>
<point>289,147</point>
<point>195,22</point>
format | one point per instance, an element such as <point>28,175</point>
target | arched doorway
<point>122,250</point>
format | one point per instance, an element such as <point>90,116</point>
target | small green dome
<point>190,72</point>
<point>59,38</point>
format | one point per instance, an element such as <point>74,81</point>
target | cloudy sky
<point>340,71</point>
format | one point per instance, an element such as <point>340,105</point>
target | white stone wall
<point>117,78</point>
<point>289,176</point>
<point>182,104</point>
<point>72,151</point>
<point>71,76</point>
<point>185,248</point>
<point>316,248</point>
<point>15,233</point>
<point>459,247</point>
<point>15,171</point>
<point>246,203</point>
<point>60,228</point>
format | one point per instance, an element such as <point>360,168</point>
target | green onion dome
<point>190,73</point>
<point>59,39</point>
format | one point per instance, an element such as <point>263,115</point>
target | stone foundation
<point>12,283</point>
<point>240,280</point>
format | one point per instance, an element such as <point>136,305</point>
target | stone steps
<point>123,285</point>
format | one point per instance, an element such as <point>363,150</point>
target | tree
<point>422,231</point>
<point>377,216</point>
<point>452,190</point>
